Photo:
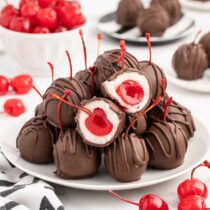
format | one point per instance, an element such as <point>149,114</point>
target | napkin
<point>20,191</point>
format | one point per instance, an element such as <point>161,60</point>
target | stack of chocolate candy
<point>117,108</point>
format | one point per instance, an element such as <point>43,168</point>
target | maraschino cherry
<point>49,3</point>
<point>193,186</point>
<point>4,85</point>
<point>20,24</point>
<point>14,107</point>
<point>147,202</point>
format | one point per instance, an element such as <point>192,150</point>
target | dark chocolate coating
<point>205,41</point>
<point>155,74</point>
<point>39,110</point>
<point>106,65</point>
<point>79,92</point>
<point>127,158</point>
<point>172,7</point>
<point>154,20</point>
<point>190,61</point>
<point>127,12</point>
<point>167,144</point>
<point>35,141</point>
<point>73,158</point>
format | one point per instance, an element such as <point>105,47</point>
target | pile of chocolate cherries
<point>42,16</point>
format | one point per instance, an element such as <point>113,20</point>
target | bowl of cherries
<point>38,31</point>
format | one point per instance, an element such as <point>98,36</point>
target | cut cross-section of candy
<point>105,122</point>
<point>130,88</point>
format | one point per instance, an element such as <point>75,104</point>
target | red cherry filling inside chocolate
<point>98,123</point>
<point>131,92</point>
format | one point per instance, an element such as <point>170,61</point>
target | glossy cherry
<point>4,85</point>
<point>193,186</point>
<point>14,107</point>
<point>49,3</point>
<point>20,24</point>
<point>23,2</point>
<point>22,84</point>
<point>147,202</point>
<point>41,30</point>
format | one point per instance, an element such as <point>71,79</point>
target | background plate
<point>103,181</point>
<point>108,25</point>
<point>196,5</point>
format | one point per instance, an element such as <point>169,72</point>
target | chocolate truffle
<point>104,123</point>
<point>190,61</point>
<point>172,7</point>
<point>127,12</point>
<point>39,110</point>
<point>78,92</point>
<point>130,88</point>
<point>155,74</point>
<point>73,158</point>
<point>106,65</point>
<point>154,20</point>
<point>167,144</point>
<point>205,41</point>
<point>127,158</point>
<point>35,141</point>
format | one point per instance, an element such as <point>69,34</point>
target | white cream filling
<point>111,116</point>
<point>111,87</point>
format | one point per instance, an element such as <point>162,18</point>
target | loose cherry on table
<point>147,202</point>
<point>4,85</point>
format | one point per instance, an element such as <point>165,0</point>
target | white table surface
<point>198,103</point>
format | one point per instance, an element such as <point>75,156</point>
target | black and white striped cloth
<point>20,191</point>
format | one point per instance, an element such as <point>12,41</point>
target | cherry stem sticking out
<point>155,103</point>
<point>70,64</point>
<point>99,37</point>
<point>204,164</point>
<point>196,36</point>
<point>149,46</point>
<point>123,199</point>
<point>163,87</point>
<point>84,47</point>
<point>37,91</point>
<point>52,70</point>
<point>87,111</point>
<point>123,53</point>
<point>92,69</point>
<point>169,101</point>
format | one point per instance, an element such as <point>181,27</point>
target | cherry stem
<point>155,103</point>
<point>123,199</point>
<point>92,69</point>
<point>169,101</point>
<point>52,70</point>
<point>123,53</point>
<point>84,47</point>
<point>87,111</point>
<point>196,36</point>
<point>99,37</point>
<point>149,46</point>
<point>37,91</point>
<point>70,64</point>
<point>163,87</point>
<point>206,163</point>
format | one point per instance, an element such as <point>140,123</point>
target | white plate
<point>200,85</point>
<point>108,25</point>
<point>103,181</point>
<point>196,5</point>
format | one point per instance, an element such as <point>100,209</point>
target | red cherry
<point>41,30</point>
<point>20,24</point>
<point>14,107</point>
<point>97,123</point>
<point>130,92</point>
<point>48,3</point>
<point>61,29</point>
<point>47,17</point>
<point>22,2</point>
<point>194,202</point>
<point>9,10</point>
<point>4,85</point>
<point>22,84</point>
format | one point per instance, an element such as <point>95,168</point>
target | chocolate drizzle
<point>127,158</point>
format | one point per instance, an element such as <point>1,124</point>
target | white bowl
<point>33,51</point>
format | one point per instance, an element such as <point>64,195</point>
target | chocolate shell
<point>205,41</point>
<point>73,158</point>
<point>190,61</point>
<point>106,65</point>
<point>155,74</point>
<point>79,92</point>
<point>127,12</point>
<point>154,20</point>
<point>114,115</point>
<point>35,141</point>
<point>167,145</point>
<point>172,7</point>
<point>39,110</point>
<point>127,158</point>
